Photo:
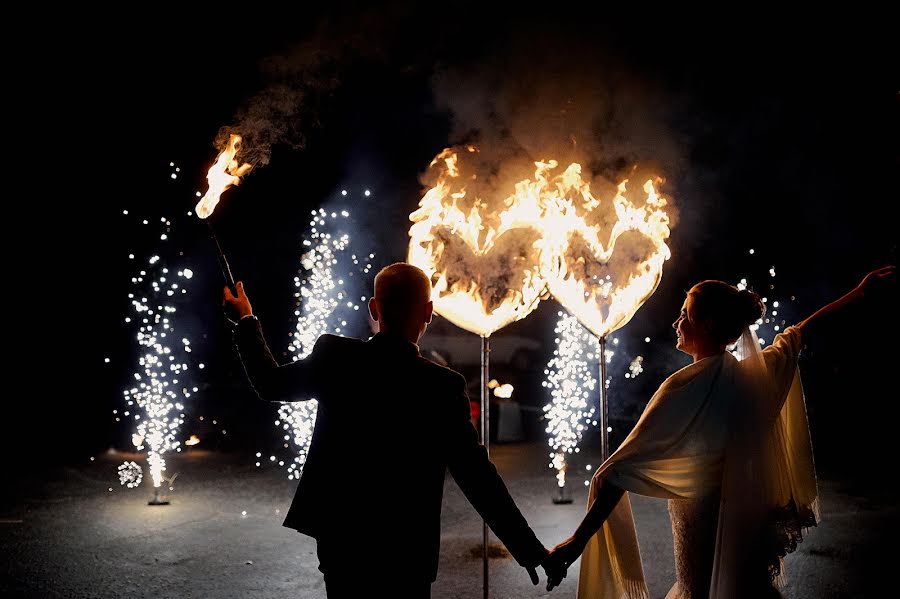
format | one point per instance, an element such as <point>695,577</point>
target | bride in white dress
<point>726,441</point>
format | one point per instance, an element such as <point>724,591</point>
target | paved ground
<point>69,536</point>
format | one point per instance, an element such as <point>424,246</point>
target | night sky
<point>774,134</point>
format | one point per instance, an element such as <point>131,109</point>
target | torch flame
<point>224,173</point>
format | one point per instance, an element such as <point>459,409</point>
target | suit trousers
<point>350,585</point>
<point>351,575</point>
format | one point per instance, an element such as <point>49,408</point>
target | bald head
<point>402,299</point>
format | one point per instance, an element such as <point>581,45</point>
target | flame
<point>601,260</point>
<point>559,463</point>
<point>485,270</point>
<point>504,391</point>
<point>193,440</point>
<point>224,173</point>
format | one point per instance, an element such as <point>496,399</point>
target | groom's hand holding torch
<point>238,305</point>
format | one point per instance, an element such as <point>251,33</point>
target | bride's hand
<point>559,560</point>
<point>875,279</point>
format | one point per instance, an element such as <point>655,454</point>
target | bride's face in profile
<point>687,332</point>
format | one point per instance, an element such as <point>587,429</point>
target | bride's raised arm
<point>870,282</point>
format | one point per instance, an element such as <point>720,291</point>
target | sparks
<point>773,321</point>
<point>571,381</point>
<point>130,474</point>
<point>636,367</point>
<point>161,380</point>
<point>322,306</point>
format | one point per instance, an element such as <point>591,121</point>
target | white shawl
<point>719,423</point>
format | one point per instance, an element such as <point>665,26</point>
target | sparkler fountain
<point>326,303</point>
<point>571,380</point>
<point>160,385</point>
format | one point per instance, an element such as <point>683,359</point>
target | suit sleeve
<point>295,381</point>
<point>478,478</point>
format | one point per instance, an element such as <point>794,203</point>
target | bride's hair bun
<point>749,306</point>
<point>725,309</point>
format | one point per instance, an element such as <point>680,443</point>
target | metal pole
<point>604,406</point>
<point>486,440</point>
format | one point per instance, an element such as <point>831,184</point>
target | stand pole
<point>486,440</point>
<point>604,405</point>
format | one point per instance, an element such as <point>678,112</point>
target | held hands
<point>550,569</point>
<point>239,305</point>
<point>559,560</point>
<point>532,570</point>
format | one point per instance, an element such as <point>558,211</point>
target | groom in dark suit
<point>390,424</point>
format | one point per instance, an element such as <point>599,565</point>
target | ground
<point>221,536</point>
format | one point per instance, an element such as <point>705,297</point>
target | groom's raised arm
<point>478,478</point>
<point>272,381</point>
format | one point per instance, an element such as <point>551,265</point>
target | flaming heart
<point>602,262</point>
<point>485,269</point>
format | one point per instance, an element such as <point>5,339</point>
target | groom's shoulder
<point>335,343</point>
<point>446,375</point>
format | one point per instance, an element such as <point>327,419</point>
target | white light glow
<point>130,474</point>
<point>636,366</point>
<point>159,386</point>
<point>768,327</point>
<point>321,300</point>
<point>571,381</point>
<point>504,391</point>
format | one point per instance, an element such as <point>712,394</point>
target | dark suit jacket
<point>390,424</point>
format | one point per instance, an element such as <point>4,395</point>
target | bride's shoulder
<point>693,373</point>
<point>789,341</point>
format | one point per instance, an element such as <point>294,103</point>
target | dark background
<point>778,132</point>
